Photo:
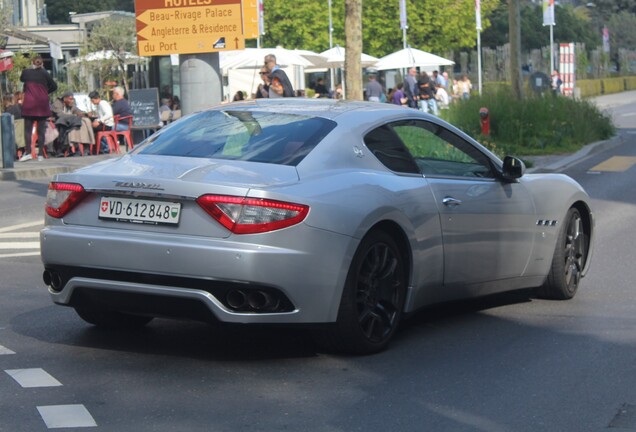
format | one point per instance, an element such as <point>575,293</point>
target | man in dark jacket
<point>35,108</point>
<point>121,107</point>
<point>73,124</point>
<point>279,84</point>
<point>411,89</point>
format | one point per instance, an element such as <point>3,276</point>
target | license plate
<point>139,210</point>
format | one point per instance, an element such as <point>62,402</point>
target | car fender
<point>554,195</point>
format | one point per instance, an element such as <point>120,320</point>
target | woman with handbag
<point>38,84</point>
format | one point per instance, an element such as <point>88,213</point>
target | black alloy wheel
<point>378,292</point>
<point>568,261</point>
<point>373,297</point>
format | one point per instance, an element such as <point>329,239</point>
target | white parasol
<point>411,57</point>
<point>336,57</point>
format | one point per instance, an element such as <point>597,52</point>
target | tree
<point>514,18</point>
<point>450,24</point>
<point>622,31</point>
<point>571,26</point>
<point>353,42</point>
<point>117,35</point>
<point>58,10</point>
<point>302,24</point>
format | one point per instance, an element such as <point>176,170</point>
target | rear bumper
<point>191,277</point>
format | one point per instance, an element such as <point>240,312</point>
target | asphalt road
<point>510,363</point>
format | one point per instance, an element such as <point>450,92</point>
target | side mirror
<point>513,168</point>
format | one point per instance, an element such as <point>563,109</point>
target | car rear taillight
<point>252,215</point>
<point>62,197</point>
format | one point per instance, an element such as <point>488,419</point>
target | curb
<point>50,167</point>
<point>33,173</point>
<point>568,160</point>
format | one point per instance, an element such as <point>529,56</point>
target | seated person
<point>103,118</point>
<point>74,125</point>
<point>321,89</point>
<point>121,107</point>
<point>165,110</point>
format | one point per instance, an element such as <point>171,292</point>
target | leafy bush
<point>536,125</point>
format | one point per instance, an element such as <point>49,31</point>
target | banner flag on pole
<point>478,14</point>
<point>261,18</point>
<point>403,22</point>
<point>548,13</point>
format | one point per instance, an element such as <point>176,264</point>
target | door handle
<point>451,202</point>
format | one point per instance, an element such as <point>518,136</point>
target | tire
<point>569,259</point>
<point>111,319</point>
<point>372,300</point>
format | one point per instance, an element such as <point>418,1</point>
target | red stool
<point>111,139</point>
<point>127,134</point>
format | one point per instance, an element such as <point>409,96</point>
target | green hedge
<point>588,88</point>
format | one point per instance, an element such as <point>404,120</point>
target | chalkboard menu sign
<point>144,104</point>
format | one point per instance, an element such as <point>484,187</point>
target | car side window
<point>387,146</point>
<point>439,152</point>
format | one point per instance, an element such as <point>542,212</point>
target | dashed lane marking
<point>20,226</point>
<point>14,242</point>
<point>5,350</point>
<point>32,234</point>
<point>66,416</point>
<point>19,245</point>
<point>35,377</point>
<point>19,254</point>
<point>54,416</point>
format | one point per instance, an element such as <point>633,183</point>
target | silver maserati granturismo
<point>343,216</point>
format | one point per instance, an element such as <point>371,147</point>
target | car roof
<point>326,108</point>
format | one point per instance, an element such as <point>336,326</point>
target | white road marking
<point>19,254</point>
<point>20,226</point>
<point>66,416</point>
<point>13,239</point>
<point>14,235</point>
<point>5,350</point>
<point>35,377</point>
<point>19,245</point>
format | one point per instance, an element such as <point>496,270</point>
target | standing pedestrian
<point>465,87</point>
<point>555,82</point>
<point>411,90</point>
<point>279,84</point>
<point>373,90</point>
<point>398,97</point>
<point>263,88</point>
<point>427,94</point>
<point>38,84</point>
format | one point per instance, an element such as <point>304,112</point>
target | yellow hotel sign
<point>250,19</point>
<point>188,26</point>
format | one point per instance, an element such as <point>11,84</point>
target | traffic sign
<point>189,46</point>
<point>188,26</point>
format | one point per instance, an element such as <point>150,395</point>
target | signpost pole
<point>201,82</point>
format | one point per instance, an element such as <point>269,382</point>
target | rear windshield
<point>241,135</point>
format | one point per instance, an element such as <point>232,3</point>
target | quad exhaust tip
<point>52,279</point>
<point>252,301</point>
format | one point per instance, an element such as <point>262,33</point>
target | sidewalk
<point>49,167</point>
